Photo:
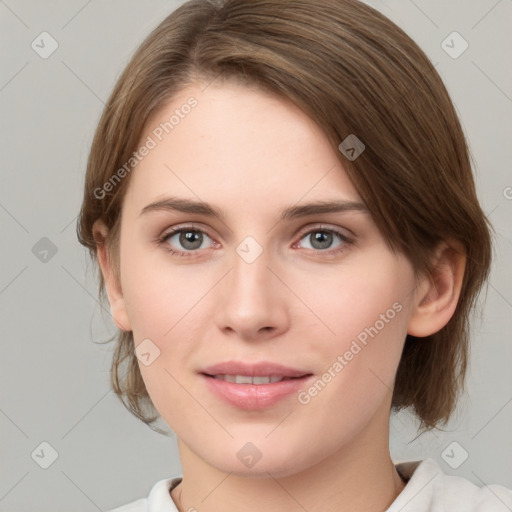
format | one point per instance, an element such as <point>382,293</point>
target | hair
<point>352,71</point>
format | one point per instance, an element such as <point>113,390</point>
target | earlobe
<point>112,285</point>
<point>437,296</point>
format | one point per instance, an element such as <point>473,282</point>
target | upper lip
<point>260,369</point>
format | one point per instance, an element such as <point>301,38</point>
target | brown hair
<point>353,71</point>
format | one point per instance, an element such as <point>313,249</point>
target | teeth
<point>246,379</point>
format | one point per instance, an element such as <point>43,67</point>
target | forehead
<point>236,145</point>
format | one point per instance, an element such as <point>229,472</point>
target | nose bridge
<point>251,301</point>
<point>250,277</point>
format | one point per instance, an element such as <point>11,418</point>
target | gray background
<point>54,379</point>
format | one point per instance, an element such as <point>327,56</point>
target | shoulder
<point>159,499</point>
<point>429,488</point>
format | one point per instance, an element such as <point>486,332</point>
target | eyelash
<point>187,254</point>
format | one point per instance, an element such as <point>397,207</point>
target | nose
<point>252,301</point>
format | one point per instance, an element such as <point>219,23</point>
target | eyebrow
<point>291,212</point>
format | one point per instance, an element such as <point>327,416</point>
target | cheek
<point>357,365</point>
<point>163,303</point>
<point>366,305</point>
<point>158,294</point>
<point>358,297</point>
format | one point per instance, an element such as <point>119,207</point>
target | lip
<point>259,369</point>
<point>254,396</point>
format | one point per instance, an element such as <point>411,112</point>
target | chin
<point>266,461</point>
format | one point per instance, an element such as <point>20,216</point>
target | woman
<point>280,199</point>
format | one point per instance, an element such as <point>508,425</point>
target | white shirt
<point>428,490</point>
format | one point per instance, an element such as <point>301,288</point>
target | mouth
<point>254,393</point>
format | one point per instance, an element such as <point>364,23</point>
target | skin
<point>251,154</point>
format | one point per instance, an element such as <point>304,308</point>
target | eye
<point>186,240</point>
<point>324,240</point>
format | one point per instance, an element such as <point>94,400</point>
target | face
<point>317,291</point>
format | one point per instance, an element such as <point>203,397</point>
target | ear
<point>436,298</point>
<point>113,287</point>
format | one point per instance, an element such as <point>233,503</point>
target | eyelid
<point>324,227</point>
<point>180,227</point>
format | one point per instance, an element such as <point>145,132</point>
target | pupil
<point>321,240</point>
<point>191,239</point>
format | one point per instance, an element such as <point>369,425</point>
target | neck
<point>358,476</point>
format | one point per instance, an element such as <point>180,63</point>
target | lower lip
<point>254,396</point>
